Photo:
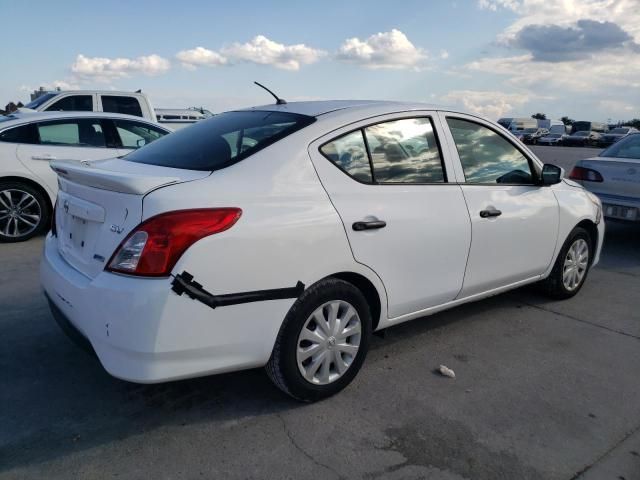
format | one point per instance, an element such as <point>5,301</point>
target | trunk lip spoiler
<point>86,173</point>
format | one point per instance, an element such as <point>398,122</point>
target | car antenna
<point>279,101</point>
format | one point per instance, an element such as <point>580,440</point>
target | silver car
<point>614,176</point>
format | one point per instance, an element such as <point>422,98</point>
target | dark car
<point>532,135</point>
<point>616,134</point>
<point>582,139</point>
<point>552,139</point>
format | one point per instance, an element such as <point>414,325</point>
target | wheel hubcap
<point>20,213</point>
<point>575,264</point>
<point>329,342</point>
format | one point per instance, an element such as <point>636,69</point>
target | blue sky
<point>496,57</point>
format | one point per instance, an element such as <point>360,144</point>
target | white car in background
<point>614,176</point>
<point>29,141</point>
<point>284,235</point>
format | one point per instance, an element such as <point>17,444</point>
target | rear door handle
<point>372,225</point>
<point>490,212</point>
<point>43,157</point>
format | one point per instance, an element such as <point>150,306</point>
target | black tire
<point>554,285</point>
<point>282,367</point>
<point>40,208</point>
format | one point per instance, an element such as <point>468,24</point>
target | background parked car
<point>616,134</point>
<point>552,139</point>
<point>128,103</point>
<point>614,176</point>
<point>582,139</point>
<point>532,135</point>
<point>28,141</point>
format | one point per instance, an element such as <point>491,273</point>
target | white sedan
<point>284,235</point>
<point>614,176</point>
<point>29,141</point>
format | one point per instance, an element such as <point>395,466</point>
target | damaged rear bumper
<point>143,331</point>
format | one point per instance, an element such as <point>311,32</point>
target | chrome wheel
<point>328,342</point>
<point>20,213</point>
<point>575,264</point>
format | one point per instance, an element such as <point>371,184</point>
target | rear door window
<point>22,134</point>
<point>120,104</point>
<point>136,134</point>
<point>405,151</point>
<point>73,103</point>
<point>84,132</point>
<point>220,141</point>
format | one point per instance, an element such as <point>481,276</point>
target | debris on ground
<point>446,372</point>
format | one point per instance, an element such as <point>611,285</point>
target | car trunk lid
<point>100,202</point>
<point>620,176</point>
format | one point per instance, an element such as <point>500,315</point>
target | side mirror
<point>141,142</point>
<point>552,174</point>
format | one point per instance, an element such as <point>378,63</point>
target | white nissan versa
<point>284,235</point>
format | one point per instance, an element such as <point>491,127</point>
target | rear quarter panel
<point>288,232</point>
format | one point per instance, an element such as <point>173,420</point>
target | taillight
<point>153,247</point>
<point>585,175</point>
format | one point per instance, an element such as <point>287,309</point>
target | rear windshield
<point>220,141</point>
<point>628,147</point>
<point>40,100</point>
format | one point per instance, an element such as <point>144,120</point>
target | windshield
<point>40,100</point>
<point>620,130</point>
<point>530,130</point>
<point>581,134</point>
<point>221,140</point>
<point>628,147</point>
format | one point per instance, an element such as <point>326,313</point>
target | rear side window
<point>21,134</point>
<point>73,103</point>
<point>220,141</point>
<point>349,153</point>
<point>400,151</point>
<point>137,134</point>
<point>78,133</point>
<point>117,104</point>
<point>405,151</point>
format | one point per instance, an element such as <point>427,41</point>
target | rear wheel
<point>571,267</point>
<point>24,212</point>
<point>323,341</point>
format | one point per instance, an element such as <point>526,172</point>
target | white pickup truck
<point>129,103</point>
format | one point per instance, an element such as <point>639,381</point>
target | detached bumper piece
<point>183,283</point>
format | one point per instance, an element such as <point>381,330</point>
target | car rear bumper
<point>143,332</point>
<point>619,207</point>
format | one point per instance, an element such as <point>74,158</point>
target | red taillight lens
<point>585,175</point>
<point>153,247</point>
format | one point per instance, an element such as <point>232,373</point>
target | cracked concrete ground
<point>543,390</point>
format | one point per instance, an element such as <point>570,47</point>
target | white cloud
<point>70,84</point>
<point>200,56</point>
<point>262,51</point>
<point>616,106</point>
<point>106,69</point>
<point>490,104</point>
<point>444,54</point>
<point>382,50</point>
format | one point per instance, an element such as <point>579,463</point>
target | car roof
<point>25,116</point>
<point>323,107</point>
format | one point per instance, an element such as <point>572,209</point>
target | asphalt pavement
<point>543,390</point>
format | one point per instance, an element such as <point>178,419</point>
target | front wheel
<point>323,341</point>
<point>24,212</point>
<point>572,266</point>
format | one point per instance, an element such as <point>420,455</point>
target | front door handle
<point>371,225</point>
<point>490,212</point>
<point>43,157</point>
